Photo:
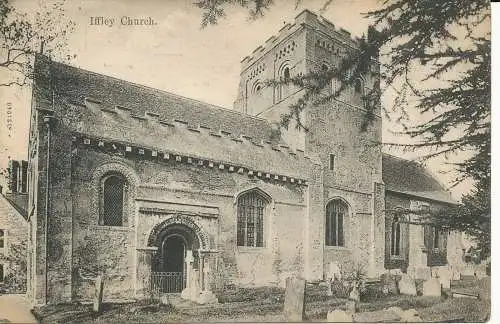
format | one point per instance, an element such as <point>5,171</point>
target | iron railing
<point>167,282</point>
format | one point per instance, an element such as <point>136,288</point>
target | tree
<point>23,36</point>
<point>435,58</point>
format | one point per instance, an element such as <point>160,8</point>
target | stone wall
<point>208,197</point>
<point>419,256</point>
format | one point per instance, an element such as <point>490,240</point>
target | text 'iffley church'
<point>136,183</point>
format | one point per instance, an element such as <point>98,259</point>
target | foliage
<point>23,36</point>
<point>15,280</point>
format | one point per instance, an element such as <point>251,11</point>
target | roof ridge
<point>142,86</point>
<point>424,169</point>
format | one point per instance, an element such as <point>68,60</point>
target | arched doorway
<point>174,243</point>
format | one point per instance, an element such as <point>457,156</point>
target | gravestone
<point>480,271</point>
<point>407,286</point>
<point>351,306</point>
<point>445,281</point>
<point>485,288</point>
<point>432,287</point>
<point>334,272</point>
<point>389,284</point>
<point>354,294</point>
<point>294,299</point>
<point>444,275</point>
<point>192,291</point>
<point>99,287</point>
<point>339,316</point>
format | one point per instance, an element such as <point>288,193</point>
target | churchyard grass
<point>265,305</point>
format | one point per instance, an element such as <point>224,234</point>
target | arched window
<point>2,238</point>
<point>251,209</point>
<point>113,200</point>
<point>336,212</point>
<point>396,237</point>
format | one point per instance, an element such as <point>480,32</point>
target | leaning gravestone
<point>294,299</point>
<point>407,286</point>
<point>99,287</point>
<point>432,287</point>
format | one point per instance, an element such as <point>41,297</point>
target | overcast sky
<point>176,55</point>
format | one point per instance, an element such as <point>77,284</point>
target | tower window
<point>332,162</point>
<point>336,211</point>
<point>435,243</point>
<point>2,238</point>
<point>396,237</point>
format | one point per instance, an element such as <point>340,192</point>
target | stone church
<point>145,186</point>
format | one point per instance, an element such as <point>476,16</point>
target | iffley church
<point>140,184</point>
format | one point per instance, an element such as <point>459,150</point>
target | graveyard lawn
<point>265,305</point>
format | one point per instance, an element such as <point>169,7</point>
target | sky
<point>175,55</point>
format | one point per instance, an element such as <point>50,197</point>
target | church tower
<point>351,156</point>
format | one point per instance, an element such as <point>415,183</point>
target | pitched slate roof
<point>411,178</point>
<point>116,110</point>
<point>111,92</point>
<point>19,201</point>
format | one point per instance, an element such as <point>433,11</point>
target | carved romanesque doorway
<point>174,242</point>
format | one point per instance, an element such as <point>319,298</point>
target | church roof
<point>411,178</point>
<point>111,109</point>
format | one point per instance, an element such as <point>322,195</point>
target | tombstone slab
<point>294,299</point>
<point>432,287</point>
<point>407,286</point>
<point>339,316</point>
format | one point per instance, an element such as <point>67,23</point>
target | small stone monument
<point>444,279</point>
<point>389,283</point>
<point>354,294</point>
<point>432,287</point>
<point>334,272</point>
<point>407,286</point>
<point>294,310</point>
<point>99,287</point>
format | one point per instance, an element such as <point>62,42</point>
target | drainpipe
<point>47,120</point>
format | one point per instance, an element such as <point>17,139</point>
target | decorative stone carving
<point>189,222</point>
